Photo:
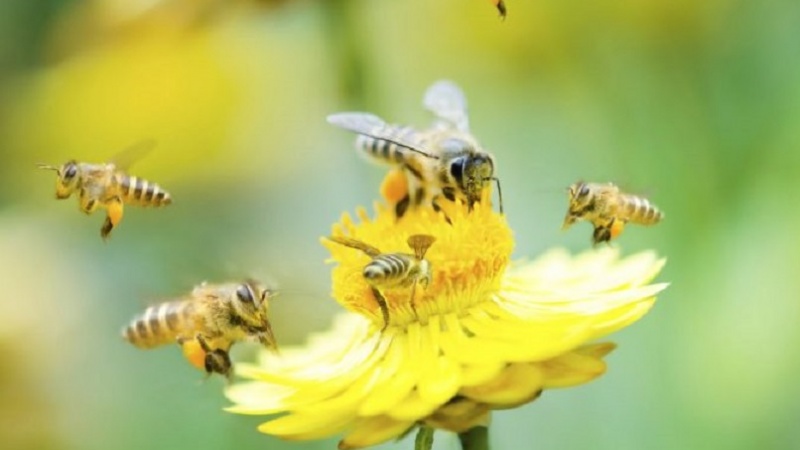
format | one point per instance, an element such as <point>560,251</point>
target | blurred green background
<point>695,104</point>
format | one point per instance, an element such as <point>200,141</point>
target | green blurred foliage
<point>694,104</point>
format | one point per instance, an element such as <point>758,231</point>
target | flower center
<point>465,262</point>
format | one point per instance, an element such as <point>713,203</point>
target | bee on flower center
<point>608,209</point>
<point>107,185</point>
<point>444,160</point>
<point>394,270</point>
<point>206,323</point>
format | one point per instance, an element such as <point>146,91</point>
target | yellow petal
<point>474,374</point>
<point>413,407</point>
<point>396,381</point>
<point>258,398</point>
<point>373,431</point>
<point>307,426</point>
<point>440,376</point>
<point>578,367</point>
<point>517,384</point>
<point>459,415</point>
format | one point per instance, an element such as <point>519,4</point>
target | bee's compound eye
<point>245,294</point>
<point>584,191</point>
<point>457,169</point>
<point>70,170</point>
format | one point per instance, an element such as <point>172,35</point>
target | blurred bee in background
<point>608,209</point>
<point>394,270</point>
<point>442,161</point>
<point>501,7</point>
<point>207,322</point>
<point>107,185</point>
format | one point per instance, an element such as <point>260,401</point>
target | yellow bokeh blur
<point>692,104</point>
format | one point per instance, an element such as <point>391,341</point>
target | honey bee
<point>501,7</point>
<point>106,185</point>
<point>608,209</point>
<point>394,270</point>
<point>443,161</point>
<point>206,323</point>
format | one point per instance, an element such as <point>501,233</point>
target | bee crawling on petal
<point>206,323</point>
<point>394,270</point>
<point>107,185</point>
<point>608,209</point>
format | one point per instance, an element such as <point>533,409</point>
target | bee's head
<point>252,304</point>
<point>579,202</point>
<point>67,180</point>
<point>473,172</point>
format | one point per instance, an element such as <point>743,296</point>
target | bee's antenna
<point>499,192</point>
<point>47,167</point>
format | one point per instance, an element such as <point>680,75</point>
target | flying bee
<point>443,161</point>
<point>394,270</point>
<point>501,7</point>
<point>107,185</point>
<point>608,209</point>
<point>207,322</point>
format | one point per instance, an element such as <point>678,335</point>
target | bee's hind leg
<point>114,212</point>
<point>382,305</point>
<point>216,360</point>
<point>601,234</point>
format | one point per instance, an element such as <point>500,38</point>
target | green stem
<point>424,439</point>
<point>476,438</point>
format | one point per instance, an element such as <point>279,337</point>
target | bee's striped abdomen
<point>138,191</point>
<point>383,150</point>
<point>388,269</point>
<point>160,324</point>
<point>640,210</point>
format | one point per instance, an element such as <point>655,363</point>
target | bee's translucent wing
<point>356,244</point>
<point>126,157</point>
<point>420,243</point>
<point>361,123</point>
<point>373,126</point>
<point>447,101</point>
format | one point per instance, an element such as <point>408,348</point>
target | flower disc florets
<point>468,259</point>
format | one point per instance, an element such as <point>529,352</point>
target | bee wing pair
<point>123,159</point>
<point>420,243</point>
<point>444,99</point>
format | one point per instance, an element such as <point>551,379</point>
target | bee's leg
<point>602,233</point>
<point>615,228</point>
<point>87,204</point>
<point>383,305</point>
<point>114,210</point>
<point>437,208</point>
<point>216,360</point>
<point>413,299</point>
<point>193,351</point>
<point>402,206</point>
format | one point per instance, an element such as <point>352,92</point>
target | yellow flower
<point>485,334</point>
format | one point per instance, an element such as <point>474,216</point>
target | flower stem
<point>476,438</point>
<point>424,439</point>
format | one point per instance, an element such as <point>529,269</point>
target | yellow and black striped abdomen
<point>389,270</point>
<point>138,191</point>
<point>383,150</point>
<point>639,210</point>
<point>161,324</point>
